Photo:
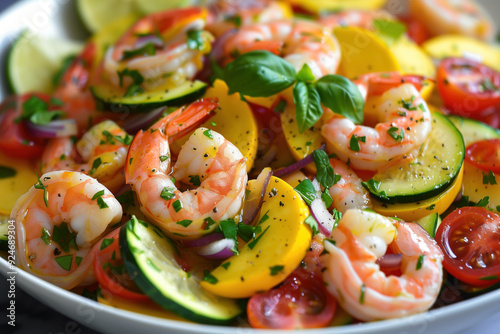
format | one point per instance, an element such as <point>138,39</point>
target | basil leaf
<point>306,190</point>
<point>342,96</point>
<point>325,173</point>
<point>307,105</point>
<point>305,74</point>
<point>259,74</point>
<point>390,30</point>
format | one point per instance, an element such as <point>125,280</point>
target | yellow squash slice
<point>274,253</point>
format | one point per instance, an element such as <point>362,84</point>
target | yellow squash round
<point>274,253</point>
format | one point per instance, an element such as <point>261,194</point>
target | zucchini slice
<point>430,223</point>
<point>111,98</point>
<point>473,130</point>
<point>436,166</point>
<point>149,258</point>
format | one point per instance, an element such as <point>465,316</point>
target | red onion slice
<point>59,128</point>
<point>217,250</point>
<point>325,219</point>
<point>296,166</point>
<point>203,241</point>
<point>254,201</point>
<point>136,122</point>
<point>390,261</point>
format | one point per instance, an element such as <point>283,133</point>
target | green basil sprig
<point>263,74</point>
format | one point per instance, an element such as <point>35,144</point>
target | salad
<point>291,164</point>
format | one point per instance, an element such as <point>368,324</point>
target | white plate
<point>57,18</point>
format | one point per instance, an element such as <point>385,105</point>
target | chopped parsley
<point>354,143</point>
<point>275,270</point>
<point>167,193</point>
<point>489,178</point>
<point>40,185</point>
<point>65,261</point>
<point>209,277</point>
<point>106,242</point>
<point>393,133</point>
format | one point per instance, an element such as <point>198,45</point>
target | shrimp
<point>230,14</point>
<point>354,277</point>
<point>101,153</point>
<point>405,122</point>
<point>78,102</point>
<point>463,17</point>
<point>207,161</point>
<point>358,18</point>
<point>297,41</point>
<point>58,221</point>
<point>165,48</point>
<point>348,192</point>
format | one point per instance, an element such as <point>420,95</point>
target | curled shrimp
<point>358,18</point>
<point>297,41</point>
<point>207,161</point>
<point>404,122</point>
<point>101,153</point>
<point>463,17</point>
<point>230,14</point>
<point>348,192</point>
<point>73,90</point>
<point>58,224</point>
<point>160,49</point>
<point>355,278</point>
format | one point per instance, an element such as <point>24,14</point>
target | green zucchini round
<point>109,98</point>
<point>148,255</point>
<point>437,164</point>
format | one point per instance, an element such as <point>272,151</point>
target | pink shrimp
<point>355,278</point>
<point>404,124</point>
<point>348,192</point>
<point>207,161</point>
<point>101,153</point>
<point>57,224</point>
<point>297,41</point>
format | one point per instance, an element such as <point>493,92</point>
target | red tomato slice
<point>468,88</point>
<point>416,29</point>
<point>301,301</point>
<point>15,139</point>
<point>110,272</point>
<point>485,155</point>
<point>470,240</point>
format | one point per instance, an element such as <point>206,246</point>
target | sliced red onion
<point>59,128</point>
<point>254,201</point>
<point>218,53</point>
<point>296,166</point>
<point>203,241</point>
<point>152,38</point>
<point>390,261</point>
<point>217,250</point>
<point>325,219</point>
<point>141,121</point>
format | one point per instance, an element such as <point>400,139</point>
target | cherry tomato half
<point>416,29</point>
<point>15,139</point>
<point>301,301</point>
<point>468,88</point>
<point>485,155</point>
<point>469,238</point>
<point>110,272</point>
<point>379,83</point>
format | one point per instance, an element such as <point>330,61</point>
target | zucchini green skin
<point>434,169</point>
<point>109,99</point>
<point>165,298</point>
<point>473,130</point>
<point>430,223</point>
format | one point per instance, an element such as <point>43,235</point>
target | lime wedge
<point>95,14</point>
<point>151,6</point>
<point>33,61</point>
